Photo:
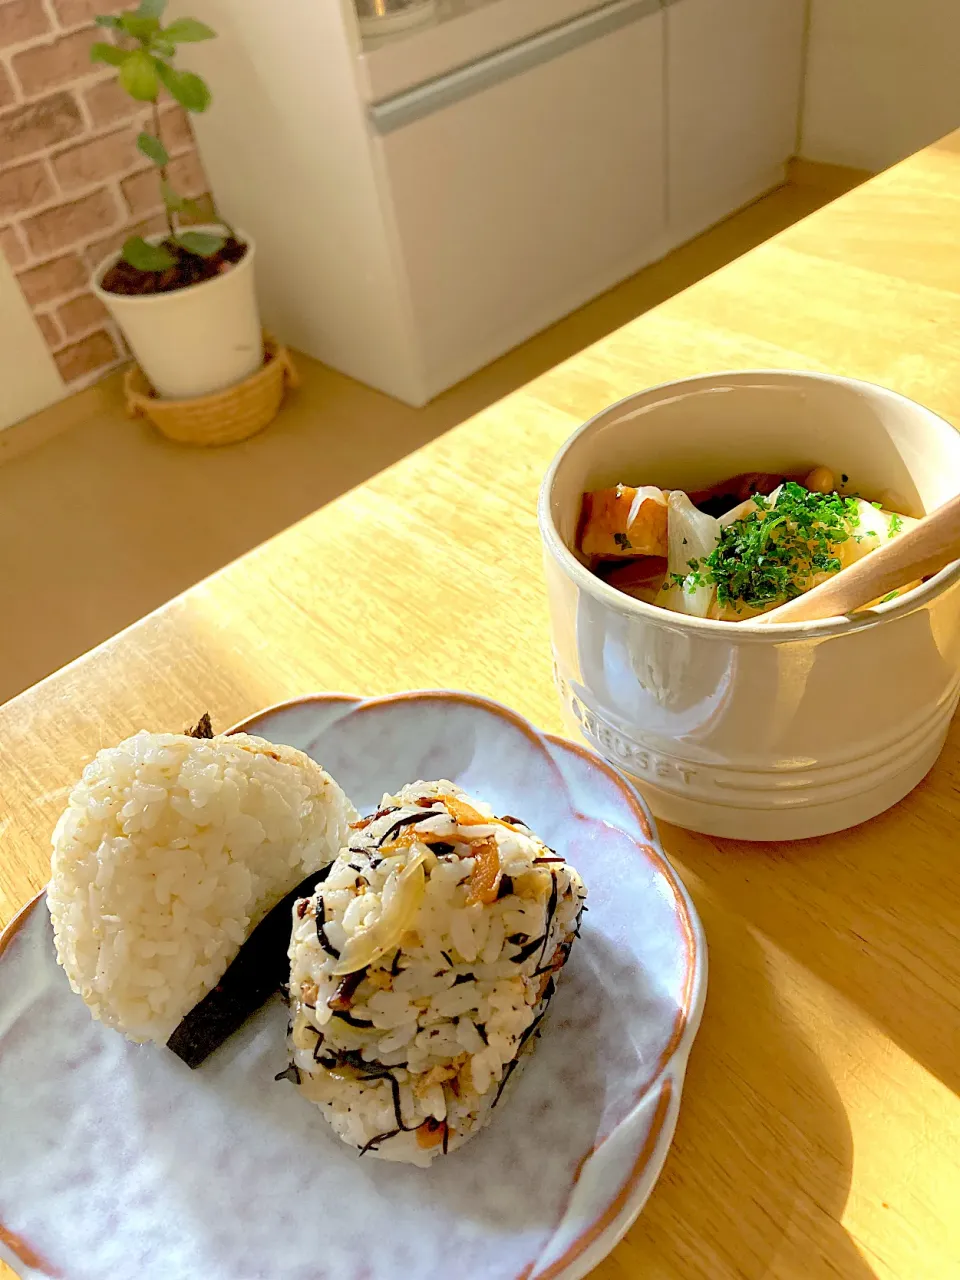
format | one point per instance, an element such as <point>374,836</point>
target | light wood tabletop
<point>820,1129</point>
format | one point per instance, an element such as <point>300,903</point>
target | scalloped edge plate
<point>614,1179</point>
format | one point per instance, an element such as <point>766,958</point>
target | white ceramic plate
<point>117,1160</point>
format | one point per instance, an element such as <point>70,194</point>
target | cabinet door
<point>520,200</point>
<point>733,102</point>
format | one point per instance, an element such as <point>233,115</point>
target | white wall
<point>883,79</point>
<point>28,375</point>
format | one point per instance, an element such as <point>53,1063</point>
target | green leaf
<point>138,75</point>
<point>173,202</point>
<point>195,209</point>
<point>102,52</point>
<point>187,31</point>
<point>108,20</point>
<point>162,47</point>
<point>152,8</point>
<point>139,27</point>
<point>147,257</point>
<point>202,243</point>
<point>153,149</point>
<point>188,89</point>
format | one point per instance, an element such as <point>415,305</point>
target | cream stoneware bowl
<point>733,729</point>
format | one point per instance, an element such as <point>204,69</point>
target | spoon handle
<point>928,547</point>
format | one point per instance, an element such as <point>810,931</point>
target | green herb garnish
<point>622,541</point>
<point>773,553</point>
<point>891,595</point>
<point>895,525</point>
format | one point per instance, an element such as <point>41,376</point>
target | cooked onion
<point>691,535</point>
<point>400,902</point>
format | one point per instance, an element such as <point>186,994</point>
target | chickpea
<point>820,480</point>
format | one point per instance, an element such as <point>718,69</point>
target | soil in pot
<point>188,269</point>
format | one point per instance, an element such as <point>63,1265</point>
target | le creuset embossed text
<point>735,729</point>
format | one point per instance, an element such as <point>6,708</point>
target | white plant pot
<point>193,341</point>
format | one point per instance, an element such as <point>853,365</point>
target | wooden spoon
<point>923,550</point>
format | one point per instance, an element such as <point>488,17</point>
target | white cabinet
<point>421,208</point>
<point>733,77</point>
<point>516,203</point>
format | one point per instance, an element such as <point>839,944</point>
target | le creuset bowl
<point>734,729</point>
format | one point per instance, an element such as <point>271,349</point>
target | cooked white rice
<point>170,851</point>
<point>420,969</point>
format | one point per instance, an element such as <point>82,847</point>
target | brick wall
<point>72,184</point>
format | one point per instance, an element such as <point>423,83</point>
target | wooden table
<point>820,1130</point>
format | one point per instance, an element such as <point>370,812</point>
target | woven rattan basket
<point>223,418</point>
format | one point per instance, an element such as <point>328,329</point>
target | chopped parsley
<point>772,554</point>
<point>891,595</point>
<point>622,541</point>
<point>895,525</point>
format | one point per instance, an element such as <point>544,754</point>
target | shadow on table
<point>760,1168</point>
<point>872,912</point>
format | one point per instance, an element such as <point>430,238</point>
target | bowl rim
<point>747,630</point>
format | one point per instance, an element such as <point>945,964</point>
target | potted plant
<point>184,299</point>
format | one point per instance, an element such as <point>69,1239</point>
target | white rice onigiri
<point>171,849</point>
<point>421,967</point>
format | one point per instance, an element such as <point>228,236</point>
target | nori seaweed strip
<point>351,1021</point>
<point>375,1142</point>
<point>506,887</point>
<point>460,978</point>
<point>503,1083</point>
<point>551,911</point>
<point>549,859</point>
<point>317,1046</point>
<point>518,938</point>
<point>527,951</point>
<point>291,1073</point>
<point>342,997</point>
<point>395,966</point>
<point>440,847</point>
<point>382,813</point>
<point>531,1030</point>
<point>344,1058</point>
<point>446,1136</point>
<point>257,970</point>
<point>549,990</point>
<point>322,933</point>
<point>386,1074</point>
<point>446,956</point>
<point>482,1031</point>
<point>407,820</point>
<point>564,949</point>
<point>202,729</point>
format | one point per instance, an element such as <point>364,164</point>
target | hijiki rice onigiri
<point>171,849</point>
<point>421,967</point>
